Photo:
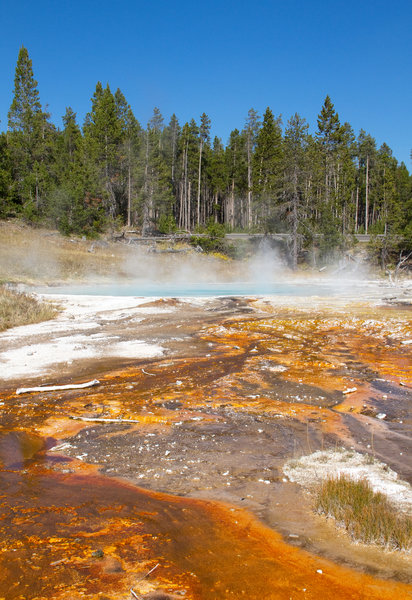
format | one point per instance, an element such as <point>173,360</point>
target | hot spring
<point>170,290</point>
<point>181,288</point>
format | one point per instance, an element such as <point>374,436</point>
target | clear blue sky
<point>221,58</point>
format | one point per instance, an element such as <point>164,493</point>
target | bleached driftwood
<point>104,420</point>
<point>133,593</point>
<point>149,572</point>
<point>55,388</point>
<point>146,373</point>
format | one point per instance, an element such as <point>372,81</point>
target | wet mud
<point>242,387</point>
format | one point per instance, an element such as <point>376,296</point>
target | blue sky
<point>221,58</point>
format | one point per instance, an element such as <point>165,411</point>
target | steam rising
<point>48,259</point>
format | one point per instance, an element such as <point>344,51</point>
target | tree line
<point>270,176</point>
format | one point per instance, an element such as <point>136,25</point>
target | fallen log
<point>55,388</point>
<point>104,420</point>
<point>350,390</point>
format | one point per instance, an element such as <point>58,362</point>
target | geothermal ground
<point>187,471</point>
<point>177,457</point>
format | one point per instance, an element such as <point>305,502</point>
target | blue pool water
<point>197,289</point>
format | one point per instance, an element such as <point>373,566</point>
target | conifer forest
<point>271,175</point>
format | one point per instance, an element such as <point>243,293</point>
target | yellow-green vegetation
<point>17,308</point>
<point>220,256</point>
<point>366,515</point>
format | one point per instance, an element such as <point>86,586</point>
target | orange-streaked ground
<point>56,523</point>
<point>281,372</point>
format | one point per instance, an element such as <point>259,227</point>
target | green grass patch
<point>366,515</point>
<point>17,308</point>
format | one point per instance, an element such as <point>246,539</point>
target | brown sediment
<point>217,422</point>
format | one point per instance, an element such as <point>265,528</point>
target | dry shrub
<point>17,308</point>
<point>38,256</point>
<point>366,515</point>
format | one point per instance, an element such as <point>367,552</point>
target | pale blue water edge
<point>201,289</point>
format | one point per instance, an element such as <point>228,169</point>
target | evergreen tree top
<point>329,128</point>
<point>204,128</point>
<point>26,100</point>
<point>156,122</point>
<point>69,117</point>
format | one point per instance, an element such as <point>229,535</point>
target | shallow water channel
<point>176,460</point>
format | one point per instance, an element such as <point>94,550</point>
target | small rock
<point>98,553</point>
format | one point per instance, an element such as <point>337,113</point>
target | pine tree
<point>366,157</point>
<point>65,198</point>
<point>329,138</point>
<point>171,135</point>
<point>251,132</point>
<point>25,107</point>
<point>30,137</point>
<point>268,163</point>
<point>69,140</point>
<point>404,200</point>
<point>157,187</point>
<point>70,205</point>
<point>170,151</point>
<point>188,170</point>
<point>102,133</point>
<point>294,172</point>
<point>388,211</point>
<point>204,131</point>
<point>129,150</point>
<point>236,167</point>
<point>328,126</point>
<point>218,177</point>
<point>345,188</point>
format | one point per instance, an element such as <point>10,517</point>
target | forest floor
<point>200,403</point>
